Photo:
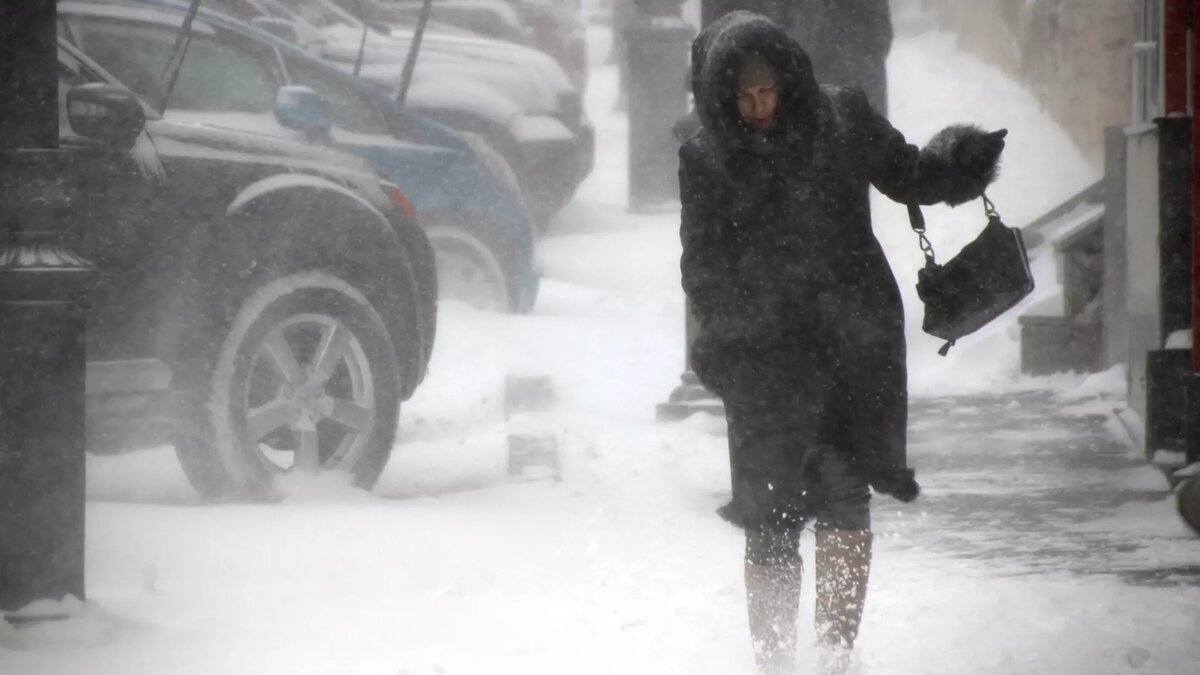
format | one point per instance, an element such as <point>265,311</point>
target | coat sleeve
<point>954,167</point>
<point>703,265</point>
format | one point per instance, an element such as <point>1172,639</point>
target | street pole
<point>42,358</point>
<point>690,396</point>
<point>654,150</point>
<point>657,42</point>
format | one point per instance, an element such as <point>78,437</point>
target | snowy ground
<point>1041,544</point>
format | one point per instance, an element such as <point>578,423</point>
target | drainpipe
<point>1193,97</point>
<point>1188,492</point>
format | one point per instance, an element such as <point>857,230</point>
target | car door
<point>362,125</point>
<point>113,200</point>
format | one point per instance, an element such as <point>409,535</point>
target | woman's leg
<point>843,563</point>
<point>843,553</point>
<point>771,435</point>
<point>773,572</point>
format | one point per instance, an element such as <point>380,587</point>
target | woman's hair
<point>755,71</point>
<point>740,48</point>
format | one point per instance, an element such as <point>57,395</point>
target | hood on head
<point>716,54</point>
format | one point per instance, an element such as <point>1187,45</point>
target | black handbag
<point>987,278</point>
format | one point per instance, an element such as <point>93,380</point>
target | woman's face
<point>757,104</point>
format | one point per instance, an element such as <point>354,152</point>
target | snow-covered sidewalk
<point>1040,546</point>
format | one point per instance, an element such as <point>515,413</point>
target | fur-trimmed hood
<point>715,55</point>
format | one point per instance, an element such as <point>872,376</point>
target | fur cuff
<point>959,162</point>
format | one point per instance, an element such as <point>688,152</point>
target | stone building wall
<point>1075,55</point>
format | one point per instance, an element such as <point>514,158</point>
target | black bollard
<point>658,44</point>
<point>42,358</point>
<point>42,480</point>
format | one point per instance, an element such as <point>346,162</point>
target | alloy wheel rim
<point>309,396</point>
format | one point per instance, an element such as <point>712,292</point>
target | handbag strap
<point>989,209</point>
<point>917,220</point>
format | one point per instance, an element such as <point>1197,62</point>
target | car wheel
<point>468,270</point>
<point>306,379</point>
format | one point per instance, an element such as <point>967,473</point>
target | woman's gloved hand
<point>900,484</point>
<point>958,164</point>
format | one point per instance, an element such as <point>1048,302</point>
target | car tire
<point>1187,496</point>
<point>470,271</point>
<point>306,378</point>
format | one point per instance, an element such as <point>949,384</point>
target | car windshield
<point>216,75</point>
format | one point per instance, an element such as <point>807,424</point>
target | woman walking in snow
<point>801,322</point>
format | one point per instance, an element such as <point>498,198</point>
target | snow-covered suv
<point>264,305</point>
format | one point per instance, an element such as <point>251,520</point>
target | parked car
<point>465,195</point>
<point>550,26</point>
<point>498,19</point>
<point>264,305</point>
<point>518,99</point>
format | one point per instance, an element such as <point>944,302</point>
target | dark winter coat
<point>792,293</point>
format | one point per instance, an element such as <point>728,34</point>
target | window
<point>1147,62</point>
<point>352,110</point>
<point>216,76</point>
<point>129,53</point>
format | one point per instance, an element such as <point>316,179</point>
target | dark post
<point>848,41</point>
<point>657,44</point>
<point>41,328</point>
<point>1175,223</point>
<point>623,15</point>
<point>775,10</point>
<point>28,75</point>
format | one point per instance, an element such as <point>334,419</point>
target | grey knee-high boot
<point>772,601</point>
<point>843,562</point>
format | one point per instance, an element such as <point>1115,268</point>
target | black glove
<point>977,154</point>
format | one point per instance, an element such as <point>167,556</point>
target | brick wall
<point>1074,55</point>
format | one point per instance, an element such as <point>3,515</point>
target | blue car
<point>465,195</point>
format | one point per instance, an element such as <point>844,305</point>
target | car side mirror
<point>303,109</point>
<point>106,113</point>
<point>280,28</point>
